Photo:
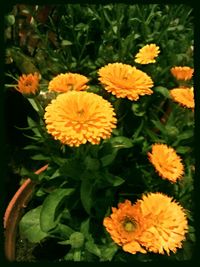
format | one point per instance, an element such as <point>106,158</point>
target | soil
<point>48,250</point>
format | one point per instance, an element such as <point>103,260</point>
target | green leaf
<point>34,126</point>
<point>26,173</point>
<point>108,159</point>
<point>40,157</point>
<point>121,142</point>
<point>138,130</point>
<point>66,43</point>
<point>63,231</point>
<point>32,147</point>
<point>162,90</point>
<point>183,136</point>
<point>138,109</point>
<point>72,168</point>
<point>183,149</point>
<point>77,255</point>
<point>114,180</point>
<point>159,125</point>
<point>49,216</point>
<point>86,194</point>
<point>85,227</point>
<point>93,248</point>
<point>29,226</point>
<point>32,102</point>
<point>108,251</point>
<point>91,163</point>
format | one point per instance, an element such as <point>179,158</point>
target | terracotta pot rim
<point>14,212</point>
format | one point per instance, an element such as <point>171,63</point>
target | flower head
<point>154,223</point>
<point>68,82</point>
<point>166,162</point>
<point>147,54</point>
<point>182,73</point>
<point>183,96</point>
<point>125,225</point>
<point>168,223</point>
<point>124,80</point>
<point>28,84</point>
<point>77,117</point>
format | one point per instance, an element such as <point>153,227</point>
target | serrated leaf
<point>29,226</point>
<point>49,216</point>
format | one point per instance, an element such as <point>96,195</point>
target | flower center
<point>129,225</point>
<point>80,112</point>
<point>28,83</point>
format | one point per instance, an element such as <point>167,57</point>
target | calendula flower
<point>168,225</point>
<point>126,225</point>
<point>28,84</point>
<point>147,54</point>
<point>68,82</point>
<point>123,80</point>
<point>182,73</point>
<point>184,96</point>
<point>166,162</point>
<point>154,223</point>
<point>77,117</point>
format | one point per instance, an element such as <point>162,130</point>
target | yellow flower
<point>68,82</point>
<point>123,80</point>
<point>166,162</point>
<point>147,54</point>
<point>28,84</point>
<point>182,73</point>
<point>154,223</point>
<point>184,96</point>
<point>168,223</point>
<point>77,117</point>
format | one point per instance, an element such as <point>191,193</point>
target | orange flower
<point>166,162</point>
<point>77,117</point>
<point>147,54</point>
<point>124,80</point>
<point>68,82</point>
<point>28,84</point>
<point>184,96</point>
<point>154,223</point>
<point>182,73</point>
<point>126,225</point>
<point>168,223</point>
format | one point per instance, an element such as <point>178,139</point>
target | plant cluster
<point>113,92</point>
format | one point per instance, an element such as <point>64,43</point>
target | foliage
<point>81,184</point>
